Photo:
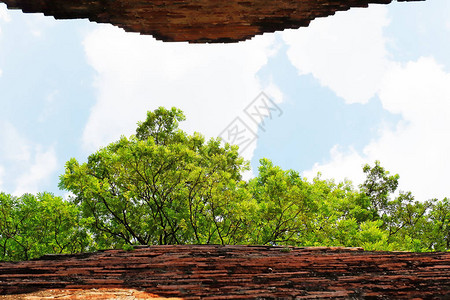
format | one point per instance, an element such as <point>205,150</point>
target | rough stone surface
<point>237,272</point>
<point>87,294</point>
<point>197,21</point>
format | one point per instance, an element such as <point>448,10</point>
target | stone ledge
<point>195,21</point>
<point>238,272</point>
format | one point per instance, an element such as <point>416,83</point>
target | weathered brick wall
<point>240,272</point>
<point>196,21</point>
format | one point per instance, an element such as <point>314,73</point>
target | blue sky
<point>362,85</point>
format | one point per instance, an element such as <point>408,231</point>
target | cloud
<point>418,148</point>
<point>353,61</point>
<point>2,173</point>
<point>344,164</point>
<point>4,15</point>
<point>13,146</point>
<point>345,52</point>
<point>211,83</point>
<point>49,106</point>
<point>43,166</point>
<point>275,94</point>
<point>420,91</point>
<point>28,165</point>
<point>38,24</point>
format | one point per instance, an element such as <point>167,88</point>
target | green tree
<point>31,226</point>
<point>378,186</point>
<point>342,216</point>
<point>410,224</point>
<point>161,186</point>
<point>283,209</point>
<point>406,220</point>
<point>437,229</point>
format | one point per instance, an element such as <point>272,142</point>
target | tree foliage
<point>283,208</point>
<point>161,186</point>
<point>31,226</point>
<point>164,186</point>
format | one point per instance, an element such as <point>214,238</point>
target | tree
<point>410,225</point>
<point>31,226</point>
<point>378,186</point>
<point>437,236</point>
<point>161,186</point>
<point>343,214</point>
<point>283,214</point>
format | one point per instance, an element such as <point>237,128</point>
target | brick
<point>233,272</point>
<point>195,21</point>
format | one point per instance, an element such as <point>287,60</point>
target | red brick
<point>196,21</point>
<point>238,272</point>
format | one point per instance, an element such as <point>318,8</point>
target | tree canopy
<point>161,186</point>
<point>31,226</point>
<point>164,186</point>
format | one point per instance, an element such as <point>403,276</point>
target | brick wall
<point>239,272</point>
<point>197,21</point>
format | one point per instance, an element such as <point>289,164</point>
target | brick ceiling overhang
<point>195,21</point>
<point>239,272</point>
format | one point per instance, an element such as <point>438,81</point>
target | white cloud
<point>4,15</point>
<point>27,164</point>
<point>343,164</point>
<point>38,24</point>
<point>2,173</point>
<point>275,94</point>
<point>13,146</point>
<point>345,52</point>
<point>212,84</point>
<point>49,106</point>
<point>418,149</point>
<point>419,91</point>
<point>43,166</point>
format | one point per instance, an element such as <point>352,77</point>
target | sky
<point>363,85</point>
